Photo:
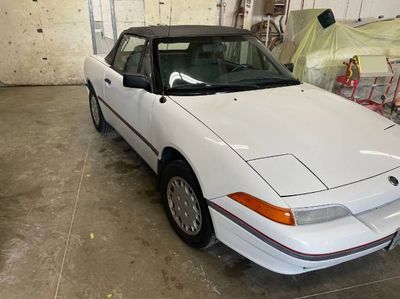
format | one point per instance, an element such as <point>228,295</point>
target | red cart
<point>364,75</point>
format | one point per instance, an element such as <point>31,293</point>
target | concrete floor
<point>80,217</point>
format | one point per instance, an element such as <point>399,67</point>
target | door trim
<point>154,150</point>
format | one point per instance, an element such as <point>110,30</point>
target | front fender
<point>218,168</point>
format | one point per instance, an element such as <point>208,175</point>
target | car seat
<point>205,64</point>
<point>132,63</point>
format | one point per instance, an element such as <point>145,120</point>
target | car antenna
<point>163,99</point>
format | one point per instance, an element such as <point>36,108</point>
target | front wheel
<point>185,205</point>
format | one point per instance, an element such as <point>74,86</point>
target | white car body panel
<point>383,219</point>
<point>206,153</point>
<point>279,170</point>
<point>267,256</point>
<point>96,66</point>
<point>293,147</point>
<point>135,107</point>
<point>337,140</point>
<point>357,197</point>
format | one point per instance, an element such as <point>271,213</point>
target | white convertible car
<point>288,175</point>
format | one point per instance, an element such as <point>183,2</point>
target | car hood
<point>339,141</point>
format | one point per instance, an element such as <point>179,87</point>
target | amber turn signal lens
<point>277,214</point>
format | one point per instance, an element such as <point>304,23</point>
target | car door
<point>131,107</point>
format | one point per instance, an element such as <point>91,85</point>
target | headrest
<point>206,53</point>
<point>133,59</point>
<point>212,48</point>
<point>138,49</point>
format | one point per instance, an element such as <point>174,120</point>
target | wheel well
<point>90,85</point>
<point>168,155</point>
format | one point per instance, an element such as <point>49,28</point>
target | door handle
<point>108,81</point>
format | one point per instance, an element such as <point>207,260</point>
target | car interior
<point>198,62</point>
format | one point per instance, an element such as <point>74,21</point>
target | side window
<point>129,54</point>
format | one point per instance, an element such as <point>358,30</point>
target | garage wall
<point>183,12</point>
<point>128,13</point>
<point>343,9</point>
<point>43,41</point>
<point>46,41</point>
<point>351,9</point>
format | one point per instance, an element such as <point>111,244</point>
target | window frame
<point>119,45</point>
<point>147,45</point>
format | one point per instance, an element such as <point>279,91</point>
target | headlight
<point>320,214</point>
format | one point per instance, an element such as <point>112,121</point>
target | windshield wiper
<point>211,88</point>
<point>283,81</point>
<point>267,81</point>
<point>187,86</point>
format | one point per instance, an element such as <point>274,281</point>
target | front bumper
<point>297,249</point>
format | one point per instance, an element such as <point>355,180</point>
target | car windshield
<point>202,65</point>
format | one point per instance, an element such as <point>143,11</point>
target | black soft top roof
<point>152,32</point>
<point>184,31</point>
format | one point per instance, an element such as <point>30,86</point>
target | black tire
<point>205,237</point>
<point>100,124</point>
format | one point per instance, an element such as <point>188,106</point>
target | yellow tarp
<point>320,54</point>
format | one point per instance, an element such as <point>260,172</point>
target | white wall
<point>128,13</point>
<point>343,9</point>
<point>183,12</point>
<point>131,13</point>
<point>53,56</point>
<point>56,55</point>
<point>350,9</point>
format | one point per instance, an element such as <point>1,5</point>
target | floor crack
<point>72,222</point>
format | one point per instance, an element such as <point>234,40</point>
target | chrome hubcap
<point>184,205</point>
<point>95,110</point>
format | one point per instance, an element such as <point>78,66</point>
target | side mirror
<point>136,81</point>
<point>289,66</point>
